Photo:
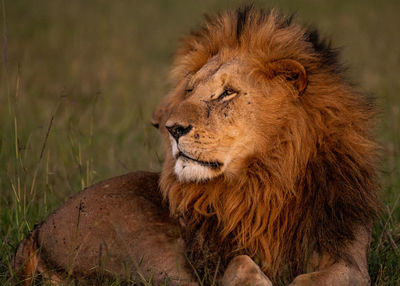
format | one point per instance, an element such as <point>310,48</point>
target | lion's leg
<point>338,274</point>
<point>323,270</point>
<point>341,273</point>
<point>242,271</point>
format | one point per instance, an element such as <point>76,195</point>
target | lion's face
<point>219,118</point>
<point>213,127</point>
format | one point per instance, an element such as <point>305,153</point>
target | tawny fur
<point>115,229</point>
<point>308,190</point>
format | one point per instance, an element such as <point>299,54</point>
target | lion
<point>269,176</point>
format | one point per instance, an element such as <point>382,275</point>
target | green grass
<point>79,80</point>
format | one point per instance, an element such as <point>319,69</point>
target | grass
<point>79,80</point>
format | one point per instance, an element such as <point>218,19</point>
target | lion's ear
<point>290,70</point>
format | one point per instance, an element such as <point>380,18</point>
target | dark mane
<point>242,15</point>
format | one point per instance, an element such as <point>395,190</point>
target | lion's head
<point>268,146</point>
<point>226,114</point>
<point>230,111</point>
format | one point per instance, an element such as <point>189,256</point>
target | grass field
<point>79,80</point>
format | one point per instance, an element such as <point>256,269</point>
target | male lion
<point>269,157</point>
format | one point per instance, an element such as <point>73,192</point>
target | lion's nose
<point>177,130</point>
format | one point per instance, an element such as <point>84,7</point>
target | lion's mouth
<point>209,164</point>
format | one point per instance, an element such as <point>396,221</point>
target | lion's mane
<point>312,188</point>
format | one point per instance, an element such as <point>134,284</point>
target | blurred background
<point>79,80</point>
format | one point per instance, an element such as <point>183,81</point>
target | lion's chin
<point>187,170</point>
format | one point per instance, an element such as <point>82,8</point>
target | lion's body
<point>116,228</point>
<point>269,154</point>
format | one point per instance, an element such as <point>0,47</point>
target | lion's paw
<point>242,271</point>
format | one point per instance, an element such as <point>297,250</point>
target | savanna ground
<point>79,80</point>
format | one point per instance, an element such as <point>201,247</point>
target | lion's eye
<point>227,94</point>
<point>188,91</point>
